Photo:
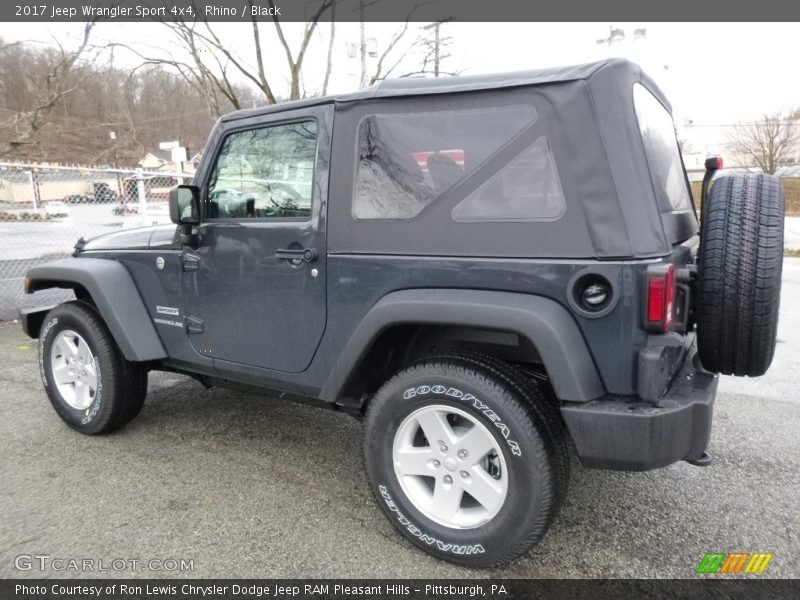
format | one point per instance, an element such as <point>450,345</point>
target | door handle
<point>297,254</point>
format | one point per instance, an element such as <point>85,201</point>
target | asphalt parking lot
<point>248,486</point>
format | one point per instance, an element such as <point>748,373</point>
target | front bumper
<point>622,434</point>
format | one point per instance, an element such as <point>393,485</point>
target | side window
<point>264,173</point>
<point>526,189</point>
<point>408,160</point>
<point>661,151</point>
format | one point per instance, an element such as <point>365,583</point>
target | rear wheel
<point>88,381</point>
<point>542,401</point>
<point>739,276</point>
<point>461,463</point>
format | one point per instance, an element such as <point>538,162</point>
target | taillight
<point>660,297</point>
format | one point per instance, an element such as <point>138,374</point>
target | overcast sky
<point>713,74</point>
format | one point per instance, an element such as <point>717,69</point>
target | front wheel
<point>89,383</point>
<point>461,463</point>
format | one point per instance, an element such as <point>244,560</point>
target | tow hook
<point>703,460</point>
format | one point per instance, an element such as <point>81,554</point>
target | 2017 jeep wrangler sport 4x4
<point>486,269</point>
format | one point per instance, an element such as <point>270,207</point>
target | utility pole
<point>437,44</point>
<point>362,48</point>
<point>436,53</point>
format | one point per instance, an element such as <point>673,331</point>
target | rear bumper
<point>638,435</point>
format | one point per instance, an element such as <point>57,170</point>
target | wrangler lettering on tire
<point>424,537</point>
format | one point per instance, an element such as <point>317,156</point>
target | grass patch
<point>794,252</point>
<point>791,189</point>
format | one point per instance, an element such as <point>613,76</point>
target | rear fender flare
<point>544,322</point>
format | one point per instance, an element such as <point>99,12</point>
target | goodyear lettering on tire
<point>477,404</point>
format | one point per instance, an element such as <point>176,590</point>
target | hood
<point>141,238</point>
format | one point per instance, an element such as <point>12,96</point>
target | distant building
<point>157,160</point>
<point>161,160</point>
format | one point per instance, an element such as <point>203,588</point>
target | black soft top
<point>588,115</point>
<point>417,86</point>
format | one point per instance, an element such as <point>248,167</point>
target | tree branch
<point>28,124</point>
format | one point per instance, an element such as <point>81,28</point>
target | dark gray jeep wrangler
<point>486,269</point>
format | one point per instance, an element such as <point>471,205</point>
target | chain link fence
<point>45,209</point>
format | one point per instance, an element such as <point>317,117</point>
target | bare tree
<point>391,57</point>
<point>768,142</point>
<point>111,114</point>
<point>434,46</point>
<point>213,69</point>
<point>381,70</point>
<point>22,127</point>
<point>294,60</point>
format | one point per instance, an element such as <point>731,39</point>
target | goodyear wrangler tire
<point>739,276</point>
<point>89,383</point>
<point>460,462</point>
<point>542,400</point>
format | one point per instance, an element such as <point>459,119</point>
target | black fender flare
<point>114,293</point>
<point>544,322</point>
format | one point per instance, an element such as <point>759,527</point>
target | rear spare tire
<point>739,275</point>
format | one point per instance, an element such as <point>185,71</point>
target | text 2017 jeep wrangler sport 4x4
<point>486,269</point>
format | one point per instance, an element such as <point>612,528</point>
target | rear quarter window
<point>407,161</point>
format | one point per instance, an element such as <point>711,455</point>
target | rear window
<point>406,161</point>
<point>661,150</point>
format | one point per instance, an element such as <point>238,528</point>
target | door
<point>254,284</point>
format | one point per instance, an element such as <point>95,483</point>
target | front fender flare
<point>114,293</point>
<point>544,322</point>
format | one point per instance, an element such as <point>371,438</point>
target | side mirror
<point>184,205</point>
